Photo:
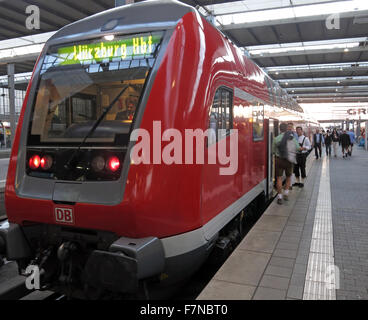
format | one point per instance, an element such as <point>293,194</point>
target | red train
<point>79,208</point>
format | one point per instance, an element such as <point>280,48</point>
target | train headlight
<point>98,164</point>
<point>34,162</point>
<point>46,162</point>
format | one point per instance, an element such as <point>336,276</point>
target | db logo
<point>64,215</point>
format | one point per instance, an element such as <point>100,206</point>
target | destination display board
<point>118,49</point>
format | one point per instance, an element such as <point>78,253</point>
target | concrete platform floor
<point>313,247</point>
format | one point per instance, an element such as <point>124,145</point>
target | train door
<point>271,180</point>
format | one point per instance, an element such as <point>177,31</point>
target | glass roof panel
<point>268,10</point>
<point>25,41</point>
<point>18,78</point>
<point>253,5</point>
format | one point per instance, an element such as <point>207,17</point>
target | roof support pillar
<point>11,87</point>
<point>357,129</point>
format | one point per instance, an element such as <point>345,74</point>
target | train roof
<point>141,15</point>
<point>144,16</point>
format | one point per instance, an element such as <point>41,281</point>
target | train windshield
<point>79,81</point>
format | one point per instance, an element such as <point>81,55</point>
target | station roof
<point>316,49</point>
<point>292,40</point>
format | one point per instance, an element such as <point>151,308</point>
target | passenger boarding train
<point>79,209</point>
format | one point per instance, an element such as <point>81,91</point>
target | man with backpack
<point>285,147</point>
<point>328,142</point>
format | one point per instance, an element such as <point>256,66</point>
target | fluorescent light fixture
<point>325,79</point>
<point>345,44</point>
<point>318,67</point>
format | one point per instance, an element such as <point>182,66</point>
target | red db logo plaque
<point>64,215</point>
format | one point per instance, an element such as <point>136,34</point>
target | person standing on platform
<point>335,141</point>
<point>284,147</point>
<point>345,143</point>
<point>301,157</point>
<point>318,140</point>
<point>290,127</point>
<point>328,142</point>
<point>352,141</point>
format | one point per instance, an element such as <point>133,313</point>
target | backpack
<point>287,147</point>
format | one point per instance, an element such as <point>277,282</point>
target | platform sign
<point>123,48</point>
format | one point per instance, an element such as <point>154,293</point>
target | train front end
<point>69,199</point>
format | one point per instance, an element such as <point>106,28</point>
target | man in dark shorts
<point>283,150</point>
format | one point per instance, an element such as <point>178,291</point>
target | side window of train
<point>221,115</point>
<point>257,121</point>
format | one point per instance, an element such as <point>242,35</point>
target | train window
<point>220,115</point>
<point>257,121</point>
<point>83,107</point>
<point>78,81</point>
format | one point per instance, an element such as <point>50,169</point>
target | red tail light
<point>34,162</point>
<point>113,164</point>
<point>46,162</point>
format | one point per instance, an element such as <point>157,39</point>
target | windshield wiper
<point>94,127</point>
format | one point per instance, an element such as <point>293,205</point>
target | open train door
<point>273,126</point>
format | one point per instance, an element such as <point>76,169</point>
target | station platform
<point>313,247</point>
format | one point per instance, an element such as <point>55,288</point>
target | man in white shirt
<point>301,157</point>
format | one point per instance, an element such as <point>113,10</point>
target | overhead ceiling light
<point>338,82</point>
<point>346,50</point>
<point>286,83</point>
